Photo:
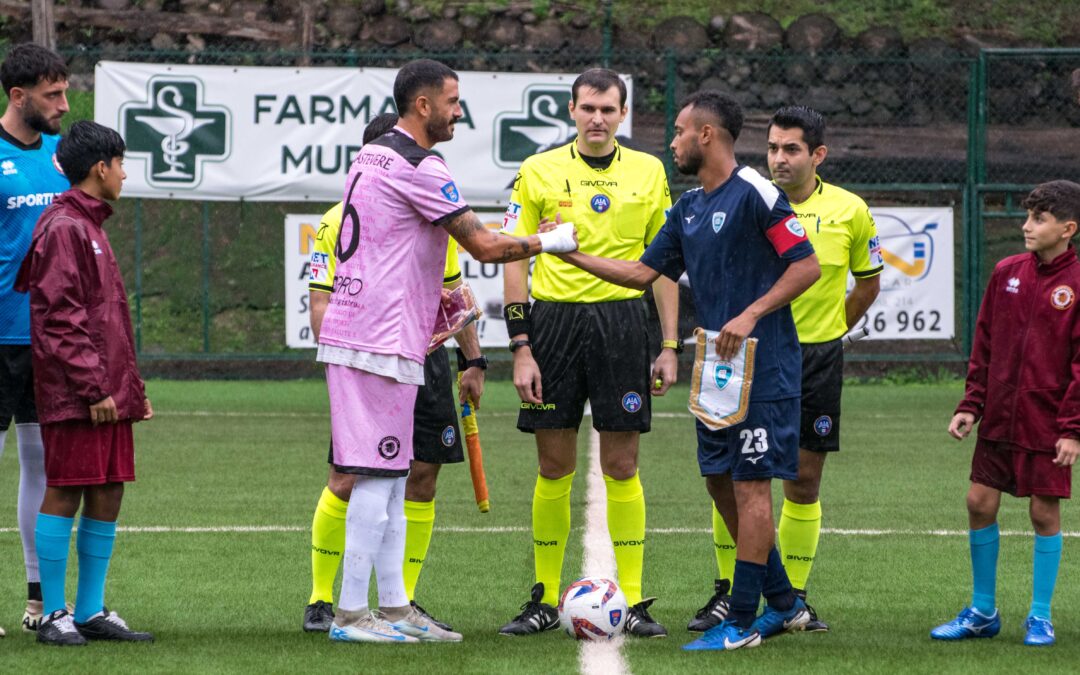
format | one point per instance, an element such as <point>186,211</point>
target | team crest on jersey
<point>450,191</point>
<point>718,219</point>
<point>600,203</point>
<point>1013,285</point>
<point>449,435</point>
<point>631,402</point>
<point>8,167</point>
<point>389,447</point>
<point>1062,297</point>
<point>795,227</point>
<point>823,425</point>
<point>722,374</point>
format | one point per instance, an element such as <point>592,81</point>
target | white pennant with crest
<point>720,389</point>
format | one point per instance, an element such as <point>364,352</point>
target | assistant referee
<point>585,339</point>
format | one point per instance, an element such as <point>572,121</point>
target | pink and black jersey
<point>391,250</point>
<point>734,243</point>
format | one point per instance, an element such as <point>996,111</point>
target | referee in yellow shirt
<point>845,239</point>
<point>585,339</point>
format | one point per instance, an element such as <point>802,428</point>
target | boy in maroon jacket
<point>87,384</point>
<point>1024,383</point>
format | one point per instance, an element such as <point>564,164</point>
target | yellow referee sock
<point>327,545</point>
<point>724,546</point>
<point>800,527</point>
<point>420,519</point>
<point>551,528</point>
<point>626,524</point>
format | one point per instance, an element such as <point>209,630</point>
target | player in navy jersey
<point>35,81</point>
<point>747,257</point>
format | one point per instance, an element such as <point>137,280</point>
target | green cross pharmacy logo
<point>176,131</point>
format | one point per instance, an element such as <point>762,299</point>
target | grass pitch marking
<point>598,559</point>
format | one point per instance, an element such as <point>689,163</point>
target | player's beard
<point>691,161</point>
<point>33,118</point>
<point>440,129</point>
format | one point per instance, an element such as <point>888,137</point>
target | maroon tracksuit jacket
<point>1024,374</point>
<point>80,327</point>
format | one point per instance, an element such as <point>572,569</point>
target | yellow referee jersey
<point>323,259</point>
<point>617,211</point>
<point>844,237</point>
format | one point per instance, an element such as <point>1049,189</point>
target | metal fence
<point>972,132</point>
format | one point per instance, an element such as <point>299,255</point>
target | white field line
<point>598,559</point>
<point>257,529</point>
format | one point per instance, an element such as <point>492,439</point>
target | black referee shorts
<point>822,383</point>
<point>596,352</point>
<point>16,386</point>
<point>436,435</point>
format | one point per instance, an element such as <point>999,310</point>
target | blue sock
<point>52,537</point>
<point>1047,558</point>
<point>984,557</point>
<point>746,592</point>
<point>94,544</point>
<point>777,587</point>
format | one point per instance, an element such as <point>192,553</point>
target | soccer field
<point>215,555</point>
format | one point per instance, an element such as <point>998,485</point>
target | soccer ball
<point>592,608</point>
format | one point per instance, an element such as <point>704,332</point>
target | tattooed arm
<point>489,246</point>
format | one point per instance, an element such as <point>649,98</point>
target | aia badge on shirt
<point>718,219</point>
<point>600,203</point>
<point>1062,297</point>
<point>450,191</point>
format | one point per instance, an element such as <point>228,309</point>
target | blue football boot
<point>969,623</point>
<point>1040,632</point>
<point>773,622</point>
<point>725,637</point>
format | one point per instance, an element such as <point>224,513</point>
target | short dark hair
<point>600,79</point>
<point>726,109</point>
<point>416,76</point>
<point>1059,198</point>
<point>86,144</point>
<point>801,117</point>
<point>28,64</point>
<point>379,125</point>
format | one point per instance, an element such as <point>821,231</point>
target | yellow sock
<point>420,518</point>
<point>626,523</point>
<point>724,546</point>
<point>551,528</point>
<point>800,527</point>
<point>327,545</point>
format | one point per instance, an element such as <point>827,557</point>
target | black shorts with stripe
<point>596,352</point>
<point>436,434</point>
<point>16,386</point>
<point>822,385</point>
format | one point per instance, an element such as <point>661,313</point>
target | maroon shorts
<point>1020,472</point>
<point>78,453</point>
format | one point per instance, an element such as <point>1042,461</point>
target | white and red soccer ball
<point>593,608</point>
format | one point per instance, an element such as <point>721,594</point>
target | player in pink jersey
<point>401,204</point>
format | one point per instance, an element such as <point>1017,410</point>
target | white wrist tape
<point>559,240</point>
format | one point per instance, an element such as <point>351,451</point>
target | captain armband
<point>518,318</point>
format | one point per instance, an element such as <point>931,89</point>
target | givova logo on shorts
<point>543,122</point>
<point>175,131</point>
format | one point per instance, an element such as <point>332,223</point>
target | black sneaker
<point>815,625</point>
<point>535,617</point>
<point>58,628</point>
<point>318,617</point>
<point>715,610</point>
<point>440,624</point>
<point>106,625</point>
<point>640,624</point>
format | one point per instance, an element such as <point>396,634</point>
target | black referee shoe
<point>715,610</point>
<point>318,617</point>
<point>640,623</point>
<point>106,625</point>
<point>815,625</point>
<point>535,617</point>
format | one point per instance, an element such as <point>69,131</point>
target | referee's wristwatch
<point>676,345</point>
<point>481,363</point>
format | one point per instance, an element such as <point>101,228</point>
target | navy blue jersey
<point>29,179</point>
<point>734,243</point>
